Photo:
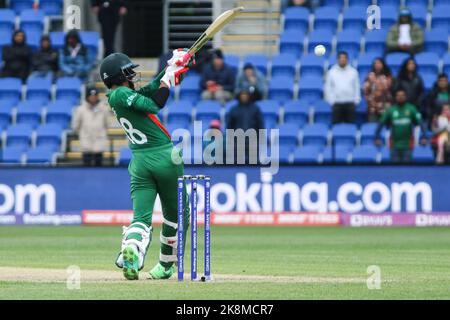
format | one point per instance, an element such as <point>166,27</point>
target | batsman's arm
<point>152,105</point>
<point>152,86</point>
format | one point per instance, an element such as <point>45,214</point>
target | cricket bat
<point>217,25</point>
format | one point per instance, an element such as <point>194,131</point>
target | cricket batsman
<point>151,169</point>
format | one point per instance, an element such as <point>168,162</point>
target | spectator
<point>437,97</point>
<point>311,4</point>
<point>342,90</point>
<point>405,35</point>
<point>91,123</point>
<point>45,60</point>
<point>441,129</point>
<point>109,13</point>
<point>377,89</point>
<point>74,60</point>
<point>17,57</point>
<point>253,81</point>
<point>401,117</point>
<point>246,115</point>
<point>409,80</point>
<point>217,80</point>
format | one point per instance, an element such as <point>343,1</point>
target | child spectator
<point>441,129</point>
<point>409,80</point>
<point>342,90</point>
<point>377,89</point>
<point>74,59</point>
<point>251,80</point>
<point>401,117</point>
<point>405,35</point>
<point>437,97</point>
<point>217,80</point>
<point>17,57</point>
<point>45,60</point>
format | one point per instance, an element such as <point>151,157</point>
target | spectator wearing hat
<point>17,57</point>
<point>45,60</point>
<point>90,122</point>
<point>217,80</point>
<point>251,80</point>
<point>406,35</point>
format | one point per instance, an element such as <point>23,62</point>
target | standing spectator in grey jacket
<point>253,81</point>
<point>342,90</point>
<point>91,123</point>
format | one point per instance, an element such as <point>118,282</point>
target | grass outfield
<point>249,263</point>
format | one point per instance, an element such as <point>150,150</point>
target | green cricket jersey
<point>402,120</point>
<point>136,113</point>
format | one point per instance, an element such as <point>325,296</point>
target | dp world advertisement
<point>353,196</point>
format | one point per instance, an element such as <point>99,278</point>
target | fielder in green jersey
<point>151,169</point>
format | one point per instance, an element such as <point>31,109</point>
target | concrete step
<point>249,37</point>
<point>249,49</point>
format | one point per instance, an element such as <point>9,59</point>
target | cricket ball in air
<point>320,50</point>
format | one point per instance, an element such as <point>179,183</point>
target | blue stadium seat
<point>375,41</point>
<point>296,18</point>
<point>285,154</point>
<point>441,17</point>
<point>20,5</point>
<point>270,111</point>
<point>344,134</point>
<point>11,89</point>
<point>365,154</point>
<point>57,39</point>
<point>350,42</point>
<point>91,40</point>
<point>366,3</point>
<point>335,4</point>
<point>19,135</point>
<point>436,40</point>
<point>325,18</point>
<point>232,61</point>
<point>419,13</point>
<point>32,21</point>
<point>361,112</point>
<point>51,7</point>
<point>311,65</point>
<point>259,61</point>
<point>68,88</point>
<point>428,80</point>
<point>281,89</point>
<point>323,37</point>
<point>7,21</point>
<point>367,133</point>
<point>39,89</point>
<point>49,135</point>
<point>41,155</point>
<point>337,154</point>
<point>423,154</point>
<point>283,65</point>
<point>296,112</point>
<point>288,135</point>
<point>180,112</point>
<point>190,89</point>
<point>310,88</point>
<point>230,104</point>
<point>395,60</point>
<point>207,111</point>
<point>59,112</point>
<point>125,156</point>
<point>385,155</point>
<point>29,112</point>
<point>12,155</point>
<point>389,14</point>
<point>315,134</point>
<point>428,63</point>
<point>33,39</point>
<point>322,112</point>
<point>365,62</point>
<point>291,42</point>
<point>446,62</point>
<point>6,107</point>
<point>354,18</point>
<point>307,154</point>
<point>441,2</point>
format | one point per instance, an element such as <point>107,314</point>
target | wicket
<point>194,179</point>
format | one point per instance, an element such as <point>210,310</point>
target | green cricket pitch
<point>247,263</point>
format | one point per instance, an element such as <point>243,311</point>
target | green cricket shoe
<point>130,264</point>
<point>160,272</point>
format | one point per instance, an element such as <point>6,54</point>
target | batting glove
<point>174,75</point>
<point>181,57</point>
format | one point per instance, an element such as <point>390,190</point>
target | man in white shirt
<point>342,90</point>
<point>405,35</point>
